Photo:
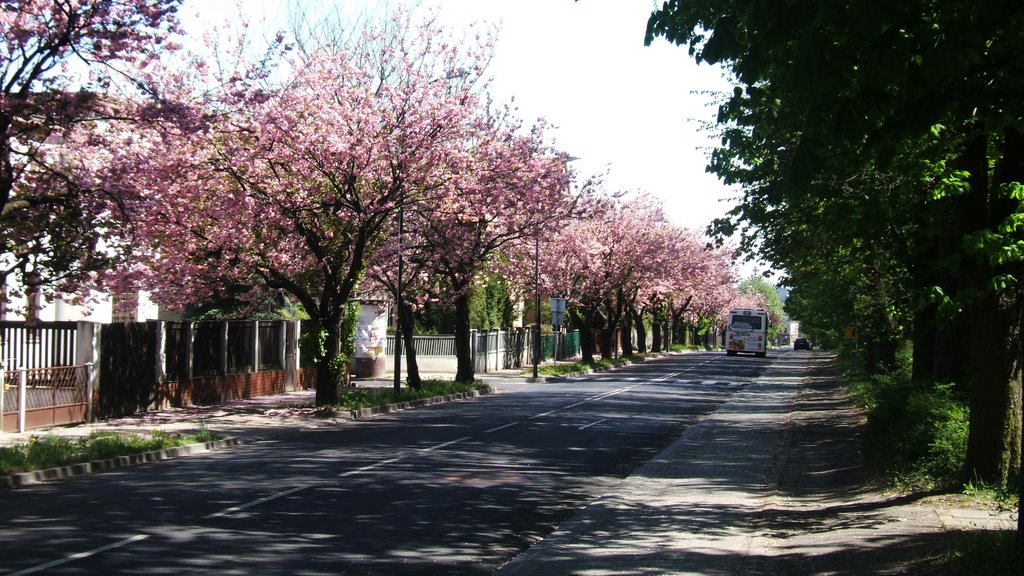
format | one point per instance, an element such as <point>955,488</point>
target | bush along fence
<point>63,372</point>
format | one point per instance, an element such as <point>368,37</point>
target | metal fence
<point>43,345</point>
<point>203,349</point>
<point>495,349</point>
<point>142,364</point>
<point>426,345</point>
<point>37,397</point>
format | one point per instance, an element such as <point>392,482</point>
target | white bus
<point>747,332</point>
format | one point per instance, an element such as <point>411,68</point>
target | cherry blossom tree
<point>623,261</point>
<point>64,66</point>
<point>674,270</point>
<point>512,186</point>
<point>594,260</point>
<point>712,293</point>
<point>287,179</point>
<point>416,287</point>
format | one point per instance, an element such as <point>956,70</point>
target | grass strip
<point>50,450</point>
<point>374,397</point>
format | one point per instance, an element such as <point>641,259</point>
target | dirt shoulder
<point>829,515</point>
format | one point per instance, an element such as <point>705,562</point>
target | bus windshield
<point>741,323</point>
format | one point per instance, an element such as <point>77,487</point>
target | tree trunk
<point>330,371</point>
<point>407,325</point>
<point>587,343</point>
<point>656,343</point>
<point>465,371</point>
<point>607,342</point>
<point>626,334</point>
<point>640,329</point>
<point>993,442</point>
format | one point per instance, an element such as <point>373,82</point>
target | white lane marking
<point>509,425</point>
<point>80,555</point>
<point>594,398</point>
<point>241,507</point>
<point>543,414</point>
<point>585,426</point>
<point>369,467</point>
<point>449,443</point>
<point>614,393</point>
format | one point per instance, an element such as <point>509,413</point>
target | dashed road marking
<point>80,556</point>
<point>595,423</point>
<point>263,500</point>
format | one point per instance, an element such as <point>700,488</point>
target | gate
<point>43,397</point>
<point>127,369</point>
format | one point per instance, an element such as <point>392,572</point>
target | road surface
<point>459,488</point>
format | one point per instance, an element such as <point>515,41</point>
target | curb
<point>364,413</point>
<point>34,477</point>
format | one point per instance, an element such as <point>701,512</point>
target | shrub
<point>49,451</point>
<point>916,431</point>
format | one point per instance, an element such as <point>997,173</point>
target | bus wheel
<point>761,354</point>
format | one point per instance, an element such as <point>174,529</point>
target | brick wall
<point>213,389</point>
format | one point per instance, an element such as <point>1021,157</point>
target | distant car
<point>801,344</point>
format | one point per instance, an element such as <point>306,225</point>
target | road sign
<point>557,311</point>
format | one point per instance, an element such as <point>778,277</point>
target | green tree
<point>878,146</point>
<point>772,302</point>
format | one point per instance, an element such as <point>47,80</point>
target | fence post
<point>493,350</point>
<point>188,341</point>
<point>255,346</point>
<point>22,393</point>
<point>282,349</point>
<point>88,391</point>
<point>3,391</point>
<point>472,346</point>
<point>224,348</point>
<point>291,354</point>
<point>87,348</point>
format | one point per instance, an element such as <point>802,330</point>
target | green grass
<point>577,367</point>
<point>917,438</point>
<point>987,553</point>
<point>51,450</point>
<point>360,398</point>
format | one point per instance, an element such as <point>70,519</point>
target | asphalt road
<point>457,488</point>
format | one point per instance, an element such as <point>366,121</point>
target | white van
<point>747,332</point>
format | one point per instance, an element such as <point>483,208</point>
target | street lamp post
<point>536,302</point>
<point>398,306</point>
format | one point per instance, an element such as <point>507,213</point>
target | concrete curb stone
<point>24,479</point>
<point>34,477</point>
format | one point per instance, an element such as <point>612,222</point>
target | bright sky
<point>615,104</point>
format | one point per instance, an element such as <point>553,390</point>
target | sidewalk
<point>688,510</point>
<point>725,499</point>
<point>246,419</point>
<point>237,421</point>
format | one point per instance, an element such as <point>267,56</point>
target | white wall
<point>100,309</point>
